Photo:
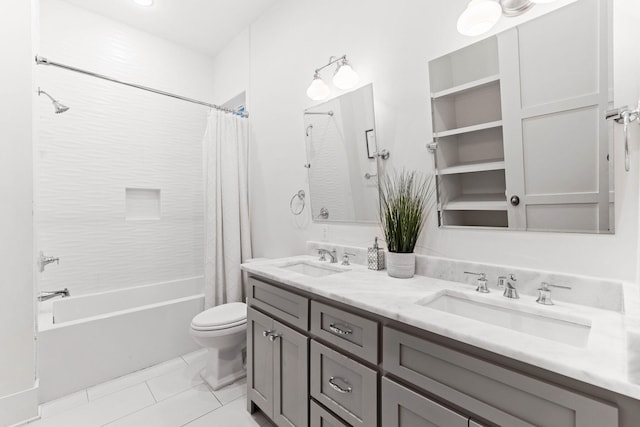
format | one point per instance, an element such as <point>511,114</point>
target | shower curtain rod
<point>44,61</point>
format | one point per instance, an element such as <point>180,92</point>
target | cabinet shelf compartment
<point>473,199</point>
<point>466,87</point>
<point>476,166</point>
<point>484,146</point>
<point>468,129</point>
<point>479,106</point>
<point>464,66</point>
<point>488,219</point>
<point>478,202</point>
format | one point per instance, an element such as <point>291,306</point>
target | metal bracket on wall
<point>432,147</point>
<point>625,116</point>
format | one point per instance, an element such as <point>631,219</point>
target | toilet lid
<point>221,317</point>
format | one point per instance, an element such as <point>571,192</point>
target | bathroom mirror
<point>341,158</point>
<point>521,140</point>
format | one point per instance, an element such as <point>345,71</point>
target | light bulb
<point>318,89</point>
<point>344,77</point>
<point>145,3</point>
<point>479,17</point>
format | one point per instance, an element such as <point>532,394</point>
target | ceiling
<point>202,25</point>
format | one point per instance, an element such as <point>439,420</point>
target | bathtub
<point>89,339</point>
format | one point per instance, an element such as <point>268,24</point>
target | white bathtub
<point>99,337</point>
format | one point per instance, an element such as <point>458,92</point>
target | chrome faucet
<point>508,283</point>
<point>332,254</point>
<point>47,295</point>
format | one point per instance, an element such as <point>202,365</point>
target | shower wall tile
<point>113,138</point>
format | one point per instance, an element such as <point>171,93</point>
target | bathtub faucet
<point>47,295</point>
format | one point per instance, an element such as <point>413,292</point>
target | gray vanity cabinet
<point>499,395</point>
<point>277,370</point>
<point>402,407</point>
<point>277,355</point>
<point>320,417</point>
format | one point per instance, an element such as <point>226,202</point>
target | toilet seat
<point>222,317</point>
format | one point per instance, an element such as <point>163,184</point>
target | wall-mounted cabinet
<point>467,122</point>
<point>522,114</point>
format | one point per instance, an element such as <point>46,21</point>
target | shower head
<point>58,107</point>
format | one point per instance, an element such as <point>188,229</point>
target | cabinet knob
<point>515,200</point>
<point>267,333</point>
<point>273,337</point>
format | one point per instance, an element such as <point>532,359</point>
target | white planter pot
<point>401,266</point>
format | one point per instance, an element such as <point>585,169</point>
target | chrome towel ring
<point>300,195</point>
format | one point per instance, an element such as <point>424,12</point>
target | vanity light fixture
<point>343,78</point>
<point>144,3</point>
<point>481,15</point>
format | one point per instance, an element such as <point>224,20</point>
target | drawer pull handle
<point>334,327</point>
<point>337,388</point>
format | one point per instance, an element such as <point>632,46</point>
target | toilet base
<point>223,367</point>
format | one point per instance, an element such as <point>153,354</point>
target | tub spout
<point>47,295</point>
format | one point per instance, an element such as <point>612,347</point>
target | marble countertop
<point>606,361</point>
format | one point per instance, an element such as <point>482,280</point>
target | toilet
<point>222,331</point>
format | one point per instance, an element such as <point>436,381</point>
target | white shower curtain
<point>227,234</point>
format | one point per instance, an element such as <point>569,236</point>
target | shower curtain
<point>227,227</point>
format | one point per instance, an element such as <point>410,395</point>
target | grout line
<point>149,388</point>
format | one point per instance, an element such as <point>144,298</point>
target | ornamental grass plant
<point>405,203</point>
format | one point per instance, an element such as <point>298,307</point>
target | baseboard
<point>19,408</point>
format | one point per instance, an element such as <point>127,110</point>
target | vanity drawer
<point>320,417</point>
<point>496,394</point>
<point>351,333</point>
<point>346,387</point>
<point>285,305</point>
<point>402,407</point>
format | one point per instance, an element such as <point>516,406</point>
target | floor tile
<point>232,391</point>
<point>175,411</point>
<point>234,414</point>
<point>138,377</point>
<point>101,411</point>
<point>196,356</point>
<point>175,382</point>
<point>63,404</point>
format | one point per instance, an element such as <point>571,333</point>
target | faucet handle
<point>345,258</point>
<point>544,293</point>
<point>482,282</point>
<point>323,254</point>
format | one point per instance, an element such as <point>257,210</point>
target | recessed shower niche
<point>142,204</point>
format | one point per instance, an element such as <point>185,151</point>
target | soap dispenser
<point>376,256</point>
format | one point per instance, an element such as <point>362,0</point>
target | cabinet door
<point>555,81</point>
<point>260,361</point>
<point>290,376</point>
<point>402,407</point>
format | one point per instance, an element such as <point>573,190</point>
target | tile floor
<point>170,394</point>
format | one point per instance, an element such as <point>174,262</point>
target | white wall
<point>390,44</point>
<point>17,354</point>
<point>112,138</point>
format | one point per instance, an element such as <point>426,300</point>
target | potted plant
<point>405,199</point>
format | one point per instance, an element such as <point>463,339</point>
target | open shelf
<point>485,219</point>
<point>461,89</point>
<point>476,166</point>
<point>467,129</point>
<point>478,202</point>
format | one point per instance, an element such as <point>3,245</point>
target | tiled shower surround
<point>112,139</point>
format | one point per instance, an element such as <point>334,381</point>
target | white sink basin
<point>313,270</point>
<point>562,328</point>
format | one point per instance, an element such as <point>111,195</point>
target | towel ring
<point>300,195</point>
